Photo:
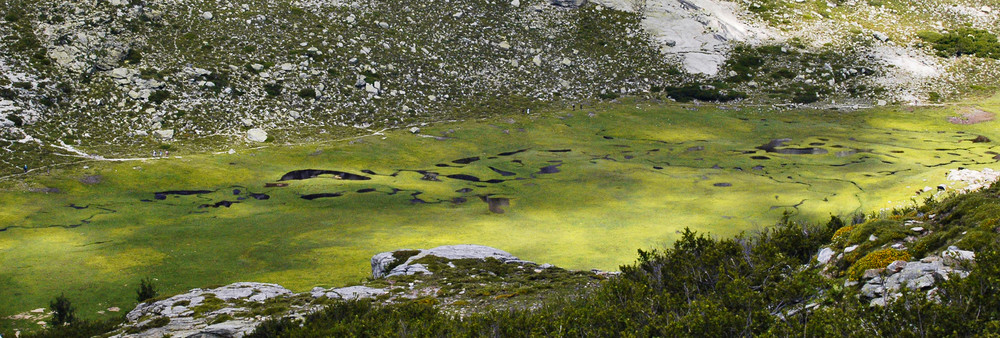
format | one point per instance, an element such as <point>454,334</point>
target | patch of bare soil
<point>972,116</point>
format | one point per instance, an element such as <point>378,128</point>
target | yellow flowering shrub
<point>876,260</point>
<point>842,232</point>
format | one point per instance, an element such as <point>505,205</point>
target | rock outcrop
<point>884,284</point>
<point>235,310</point>
<point>385,264</point>
<point>920,275</point>
<point>202,312</point>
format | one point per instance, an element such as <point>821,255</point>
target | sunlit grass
<point>608,199</point>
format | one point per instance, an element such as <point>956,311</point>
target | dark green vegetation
<point>145,291</point>
<point>791,73</point>
<point>964,41</point>
<point>749,285</point>
<point>83,328</point>
<point>62,311</point>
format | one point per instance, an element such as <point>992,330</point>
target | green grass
<point>592,214</point>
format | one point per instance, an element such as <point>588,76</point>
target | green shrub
<point>146,290</point>
<point>159,96</point>
<point>158,322</point>
<point>209,304</point>
<point>400,257</point>
<point>18,122</point>
<point>307,93</point>
<point>273,89</point>
<point>7,93</point>
<point>964,41</point>
<point>133,56</point>
<point>79,328</point>
<point>221,319</point>
<point>62,311</point>
<point>689,93</point>
<point>273,327</point>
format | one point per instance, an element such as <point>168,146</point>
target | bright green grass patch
<point>628,178</point>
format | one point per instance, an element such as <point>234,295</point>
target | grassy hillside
<point>750,285</point>
<point>101,226</point>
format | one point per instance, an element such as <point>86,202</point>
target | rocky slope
<point>459,278</point>
<point>116,79</point>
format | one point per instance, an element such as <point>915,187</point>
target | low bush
<point>307,93</point>
<point>145,291</point>
<point>159,96</point>
<point>273,89</point>
<point>701,93</point>
<point>63,311</point>
<point>876,260</point>
<point>964,41</point>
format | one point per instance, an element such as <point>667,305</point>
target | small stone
<point>954,254</point>
<point>207,15</point>
<point>917,229</point>
<point>824,255</point>
<point>930,259</point>
<point>921,283</point>
<point>505,45</point>
<point>850,248</point>
<point>872,238</point>
<point>415,130</point>
<point>516,3</point>
<point>537,60</point>
<point>256,135</point>
<point>896,266</point>
<point>568,3</point>
<point>871,273</point>
<point>881,36</point>
<point>383,24</point>
<point>257,67</point>
<point>165,134</point>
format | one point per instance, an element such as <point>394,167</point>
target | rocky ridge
<point>236,309</point>
<point>112,78</point>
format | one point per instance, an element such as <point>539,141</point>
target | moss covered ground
<point>629,176</point>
